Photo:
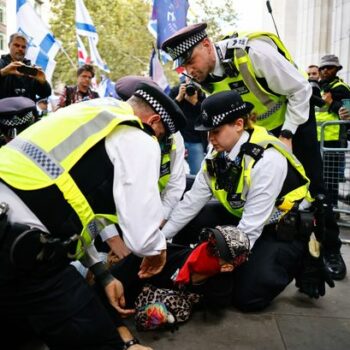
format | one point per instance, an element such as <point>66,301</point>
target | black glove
<point>313,277</point>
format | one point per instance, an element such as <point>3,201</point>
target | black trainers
<point>335,265</point>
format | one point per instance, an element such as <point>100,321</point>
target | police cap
<point>170,113</point>
<point>16,112</point>
<point>125,87</point>
<point>180,45</point>
<point>221,108</point>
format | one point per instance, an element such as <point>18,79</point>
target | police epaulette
<point>253,150</point>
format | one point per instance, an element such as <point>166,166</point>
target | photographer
<point>16,78</point>
<point>189,98</point>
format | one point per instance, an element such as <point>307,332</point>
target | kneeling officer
<point>260,182</point>
<point>63,180</point>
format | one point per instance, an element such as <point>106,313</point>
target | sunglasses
<point>327,67</point>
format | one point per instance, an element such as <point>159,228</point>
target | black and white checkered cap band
<point>185,45</point>
<point>217,119</point>
<point>17,121</point>
<point>158,108</point>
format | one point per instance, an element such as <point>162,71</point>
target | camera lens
<point>190,89</point>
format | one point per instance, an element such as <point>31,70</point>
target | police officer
<point>16,114</point>
<point>259,67</point>
<point>172,180</point>
<point>63,180</point>
<point>260,183</point>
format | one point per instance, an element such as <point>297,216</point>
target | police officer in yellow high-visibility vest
<point>333,90</point>
<point>65,180</point>
<point>172,180</point>
<point>259,67</point>
<point>260,183</point>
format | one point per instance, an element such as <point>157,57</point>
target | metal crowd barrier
<point>336,173</point>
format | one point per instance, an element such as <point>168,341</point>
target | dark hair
<point>17,35</point>
<point>86,68</point>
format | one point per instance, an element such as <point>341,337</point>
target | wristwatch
<point>287,134</point>
<point>130,343</point>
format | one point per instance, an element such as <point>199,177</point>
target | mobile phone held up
<point>27,70</point>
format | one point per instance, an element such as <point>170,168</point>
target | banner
<point>168,16</point>
<point>85,27</point>
<point>156,72</point>
<point>42,45</point>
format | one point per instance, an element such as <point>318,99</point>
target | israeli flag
<point>85,27</point>
<point>83,57</point>
<point>42,45</point>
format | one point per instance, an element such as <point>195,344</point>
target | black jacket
<point>338,92</point>
<point>12,85</point>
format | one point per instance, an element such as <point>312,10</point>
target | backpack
<point>160,307</point>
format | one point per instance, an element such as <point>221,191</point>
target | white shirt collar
<point>237,147</point>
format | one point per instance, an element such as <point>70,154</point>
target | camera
<point>190,89</point>
<point>27,70</point>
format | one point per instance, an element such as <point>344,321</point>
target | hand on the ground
<point>118,247</point>
<point>344,114</point>
<point>287,142</point>
<point>115,293</point>
<point>151,265</point>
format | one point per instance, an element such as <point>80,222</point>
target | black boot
<point>335,264</point>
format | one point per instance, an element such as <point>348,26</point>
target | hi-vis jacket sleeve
<point>136,158</point>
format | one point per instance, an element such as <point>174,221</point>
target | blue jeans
<point>195,156</point>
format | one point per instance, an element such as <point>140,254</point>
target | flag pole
<point>69,59</point>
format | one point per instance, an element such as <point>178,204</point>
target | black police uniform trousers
<point>271,267</point>
<point>53,303</point>
<point>307,149</point>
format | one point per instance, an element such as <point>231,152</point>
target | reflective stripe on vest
<point>165,171</point>
<point>44,153</point>
<point>330,132</point>
<point>263,139</point>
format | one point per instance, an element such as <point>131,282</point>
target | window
<point>2,42</point>
<point>2,15</point>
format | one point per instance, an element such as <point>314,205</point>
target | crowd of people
<point>107,175</point>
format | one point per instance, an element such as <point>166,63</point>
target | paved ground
<point>293,322</point>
